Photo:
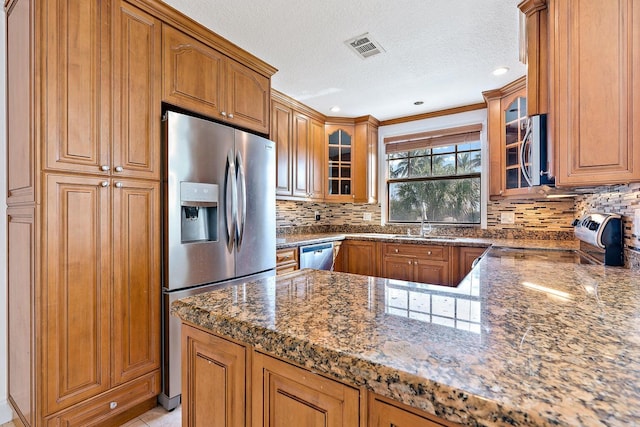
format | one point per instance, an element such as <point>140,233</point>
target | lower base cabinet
<point>358,257</point>
<point>285,395</point>
<point>213,378</point>
<point>226,384</point>
<point>383,413</point>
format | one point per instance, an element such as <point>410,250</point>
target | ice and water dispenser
<point>199,212</point>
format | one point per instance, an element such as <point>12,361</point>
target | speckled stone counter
<point>293,240</point>
<point>522,342</point>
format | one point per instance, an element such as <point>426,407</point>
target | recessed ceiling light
<point>335,109</point>
<point>500,71</point>
<point>418,103</point>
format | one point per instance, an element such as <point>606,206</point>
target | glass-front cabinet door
<point>515,124</point>
<point>340,150</point>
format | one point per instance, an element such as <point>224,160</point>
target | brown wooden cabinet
<point>286,260</point>
<point>384,412</point>
<point>352,160</point>
<point>358,257</point>
<point>417,263</point>
<point>285,395</point>
<point>366,156</point>
<point>507,115</point>
<point>595,91</point>
<point>537,47</point>
<point>84,164</point>
<point>214,372</point>
<point>202,79</point>
<point>102,287</point>
<point>78,83</point>
<point>299,136</point>
<point>281,122</point>
<point>135,316</point>
<point>77,278</point>
<point>227,384</point>
<point>466,255</point>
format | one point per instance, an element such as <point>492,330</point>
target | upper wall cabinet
<point>582,62</point>
<point>201,79</point>
<point>595,91</point>
<point>299,136</point>
<point>537,42</point>
<point>507,114</point>
<point>352,160</point>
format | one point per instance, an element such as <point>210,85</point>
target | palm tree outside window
<point>441,168</point>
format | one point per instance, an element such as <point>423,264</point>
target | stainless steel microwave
<point>534,152</point>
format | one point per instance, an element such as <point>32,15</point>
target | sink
<point>427,237</point>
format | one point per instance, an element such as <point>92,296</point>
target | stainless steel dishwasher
<point>318,256</point>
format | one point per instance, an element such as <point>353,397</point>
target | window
<point>439,168</point>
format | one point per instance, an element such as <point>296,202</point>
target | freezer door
<point>256,212</point>
<point>199,157</point>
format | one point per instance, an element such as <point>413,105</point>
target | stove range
<point>601,238</point>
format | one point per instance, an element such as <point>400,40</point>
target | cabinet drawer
<point>434,252</point>
<point>97,411</point>
<point>286,256</point>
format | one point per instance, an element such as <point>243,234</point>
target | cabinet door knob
<point>104,184</point>
<point>223,113</point>
<point>118,185</point>
<point>415,262</point>
<point>118,169</point>
<point>396,250</point>
<point>104,168</point>
<point>230,115</point>
<point>428,252</point>
<point>410,262</point>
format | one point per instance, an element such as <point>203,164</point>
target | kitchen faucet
<point>425,227</point>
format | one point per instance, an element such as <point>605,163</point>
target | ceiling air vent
<point>364,46</point>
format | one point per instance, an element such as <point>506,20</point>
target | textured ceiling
<point>441,52</point>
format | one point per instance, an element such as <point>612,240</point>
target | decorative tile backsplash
<point>620,199</point>
<point>542,219</point>
<point>542,215</point>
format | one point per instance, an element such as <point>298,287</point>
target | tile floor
<point>157,417</point>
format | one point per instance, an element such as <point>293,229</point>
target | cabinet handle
<point>104,168</point>
<point>113,405</point>
<point>104,184</point>
<point>118,169</point>
<point>231,115</point>
<point>286,257</point>
<point>118,185</point>
<point>224,114</point>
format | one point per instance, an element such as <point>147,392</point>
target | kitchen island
<point>520,341</point>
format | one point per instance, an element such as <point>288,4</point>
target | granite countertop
<point>521,341</point>
<point>293,240</point>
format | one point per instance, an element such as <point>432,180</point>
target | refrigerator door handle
<point>231,198</point>
<point>242,199</point>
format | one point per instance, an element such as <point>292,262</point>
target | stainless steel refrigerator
<point>219,219</point>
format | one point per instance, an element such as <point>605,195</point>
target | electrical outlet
<point>636,222</point>
<point>317,215</point>
<point>366,216</point>
<point>507,218</point>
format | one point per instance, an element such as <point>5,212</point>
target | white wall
<point>5,409</point>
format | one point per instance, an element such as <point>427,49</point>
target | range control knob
<point>593,226</point>
<point>575,222</point>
